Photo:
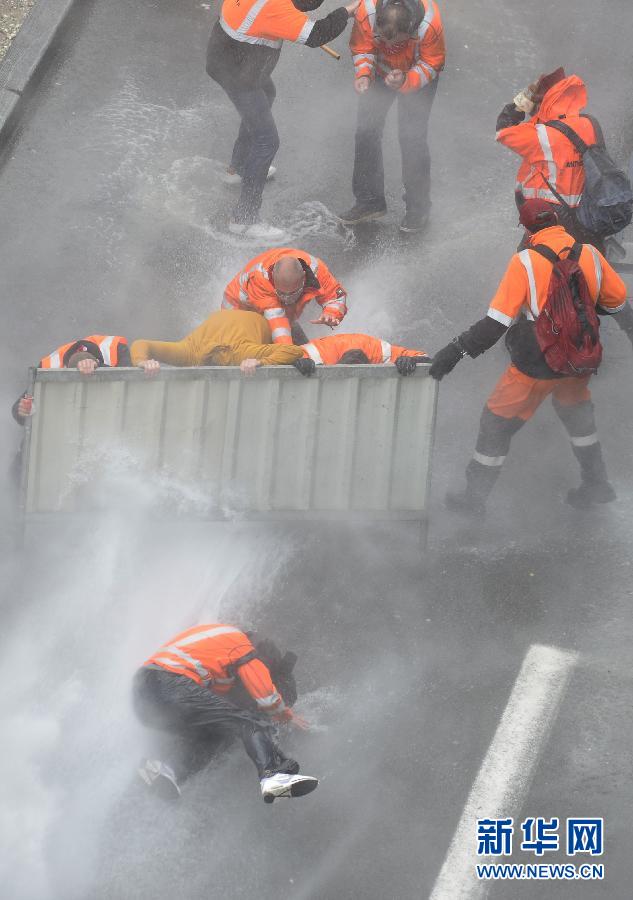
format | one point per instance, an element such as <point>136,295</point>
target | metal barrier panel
<point>347,440</point>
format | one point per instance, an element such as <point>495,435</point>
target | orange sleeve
<point>332,296</point>
<point>512,293</point>
<point>521,138</point>
<point>362,44</point>
<point>402,351</point>
<point>263,299</point>
<point>612,294</point>
<point>430,59</point>
<point>256,679</point>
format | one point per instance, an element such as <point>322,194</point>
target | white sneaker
<point>259,231</point>
<point>161,778</point>
<point>282,785</point>
<point>233,178</point>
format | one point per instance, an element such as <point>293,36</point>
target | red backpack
<point>567,328</point>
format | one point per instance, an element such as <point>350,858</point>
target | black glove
<point>305,365</point>
<point>406,364</point>
<point>509,116</point>
<point>445,360</point>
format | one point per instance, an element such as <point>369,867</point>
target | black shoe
<point>364,212</point>
<point>591,492</point>
<point>413,224</point>
<point>465,503</point>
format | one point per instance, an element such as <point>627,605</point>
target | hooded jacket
<point>548,156</point>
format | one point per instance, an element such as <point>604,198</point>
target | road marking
<point>506,772</point>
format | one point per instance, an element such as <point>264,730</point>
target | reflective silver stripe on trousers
<point>488,460</point>
<point>55,360</point>
<point>274,313</point>
<point>385,346</point>
<point>247,39</point>
<point>313,353</point>
<point>104,347</point>
<point>586,441</point>
<point>526,260</point>
<point>370,6</point>
<point>279,332</point>
<point>543,139</point>
<point>499,316</point>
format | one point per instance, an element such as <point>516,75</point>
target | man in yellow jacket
<point>230,337</point>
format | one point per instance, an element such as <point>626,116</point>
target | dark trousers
<point>496,433</point>
<point>201,722</point>
<point>414,110</point>
<point>256,145</point>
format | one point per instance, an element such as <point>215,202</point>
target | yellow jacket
<point>226,339</point>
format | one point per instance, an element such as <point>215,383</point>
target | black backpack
<point>606,205</point>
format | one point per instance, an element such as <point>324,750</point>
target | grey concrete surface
<point>112,221</point>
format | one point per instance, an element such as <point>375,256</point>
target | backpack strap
<point>576,250</point>
<point>600,141</point>
<point>570,134</point>
<point>547,252</point>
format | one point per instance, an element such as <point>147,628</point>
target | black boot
<point>595,486</point>
<point>480,480</point>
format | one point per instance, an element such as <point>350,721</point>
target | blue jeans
<point>414,109</point>
<point>256,144</point>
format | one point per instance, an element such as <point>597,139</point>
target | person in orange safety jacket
<point>398,51</point>
<point>86,355</point>
<point>209,684</point>
<point>243,50</point>
<point>529,380</point>
<point>357,349</point>
<point>550,164</point>
<point>279,283</point>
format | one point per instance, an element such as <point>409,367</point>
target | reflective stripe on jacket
<point>524,286</point>
<point>253,289</point>
<point>547,155</point>
<point>422,57</point>
<point>108,346</point>
<point>207,653</point>
<point>265,22</point>
<point>327,351</point>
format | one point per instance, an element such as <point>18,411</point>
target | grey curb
<point>25,58</point>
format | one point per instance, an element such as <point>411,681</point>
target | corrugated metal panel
<point>355,439</point>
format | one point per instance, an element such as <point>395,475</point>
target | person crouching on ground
<point>187,689</point>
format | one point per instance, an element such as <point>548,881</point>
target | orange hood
<point>566,98</point>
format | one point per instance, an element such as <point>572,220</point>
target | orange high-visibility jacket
<point>210,655</point>
<point>108,345</point>
<point>253,289</point>
<point>265,22</point>
<point>547,155</point>
<point>422,57</point>
<point>524,286</point>
<point>327,351</point>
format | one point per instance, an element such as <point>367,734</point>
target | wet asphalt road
<point>111,220</point>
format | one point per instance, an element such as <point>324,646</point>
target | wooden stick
<point>330,52</point>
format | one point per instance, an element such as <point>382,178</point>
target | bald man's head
<point>288,279</point>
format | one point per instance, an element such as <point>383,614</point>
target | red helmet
<point>537,214</point>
